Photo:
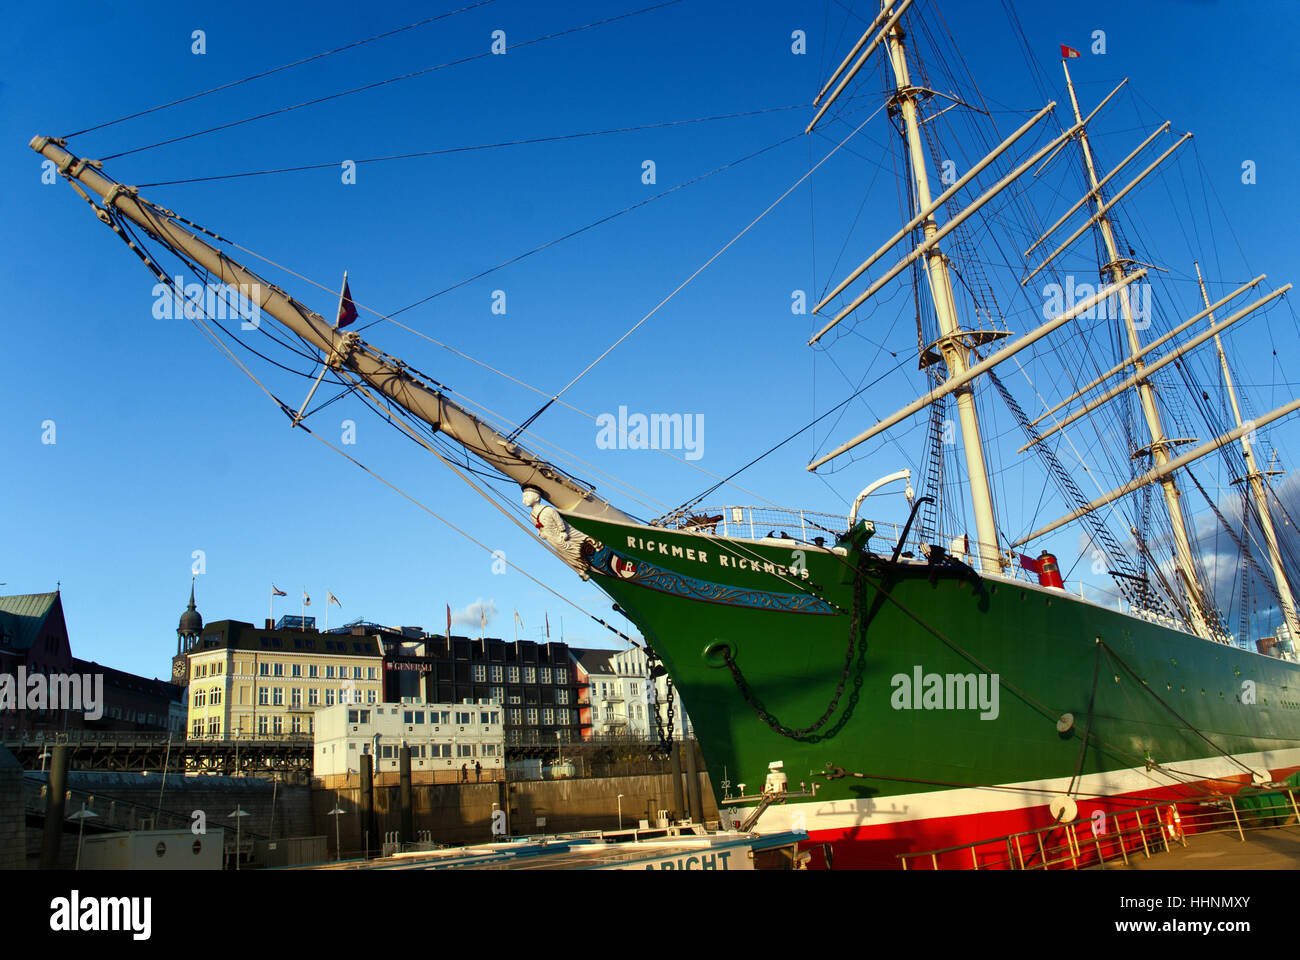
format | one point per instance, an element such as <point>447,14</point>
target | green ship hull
<point>965,705</point>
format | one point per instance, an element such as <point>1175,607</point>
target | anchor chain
<point>664,732</point>
<point>810,734</point>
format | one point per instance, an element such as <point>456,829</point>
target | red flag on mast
<point>347,309</point>
<point>1069,53</point>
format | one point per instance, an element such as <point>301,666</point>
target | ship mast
<point>1159,446</point>
<point>343,351</point>
<point>1258,485</point>
<point>952,339</point>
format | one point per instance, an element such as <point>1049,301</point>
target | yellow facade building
<point>250,682</point>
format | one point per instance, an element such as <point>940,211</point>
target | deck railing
<point>1147,829</point>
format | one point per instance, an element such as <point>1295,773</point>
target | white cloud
<point>471,616</point>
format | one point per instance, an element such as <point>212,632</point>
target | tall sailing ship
<point>892,689</point>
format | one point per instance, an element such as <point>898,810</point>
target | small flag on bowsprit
<point>348,309</point>
<point>1067,53</point>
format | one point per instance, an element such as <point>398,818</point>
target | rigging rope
<point>479,146</point>
<point>725,247</point>
<point>287,66</point>
<point>380,83</point>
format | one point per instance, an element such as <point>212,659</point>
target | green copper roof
<point>22,616</point>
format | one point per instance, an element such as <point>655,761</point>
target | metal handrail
<point>1070,850</point>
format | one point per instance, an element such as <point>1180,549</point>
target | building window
<point>483,717</point>
<point>215,697</point>
<point>530,716</point>
<point>264,669</point>
<point>464,717</point>
<point>277,670</point>
<point>261,725</point>
<point>329,696</point>
<point>480,673</point>
<point>495,673</point>
<point>295,724</point>
<point>530,674</point>
<point>548,717</point>
<point>370,673</point>
<point>277,724</point>
<point>464,749</point>
<point>313,697</point>
<point>370,696</point>
<point>200,697</point>
<point>197,728</point>
<point>494,716</point>
<point>295,697</point>
<point>512,674</point>
<point>296,670</point>
<point>546,674</point>
<point>636,687</point>
<point>313,671</point>
<point>561,674</point>
<point>561,695</point>
<point>277,697</point>
<point>595,712</point>
<point>329,672</point>
<point>214,726</point>
<point>356,673</point>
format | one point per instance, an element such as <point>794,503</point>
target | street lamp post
<point>337,812</point>
<point>238,814</point>
<point>81,815</point>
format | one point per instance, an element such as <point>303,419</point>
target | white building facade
<point>621,698</point>
<point>465,738</point>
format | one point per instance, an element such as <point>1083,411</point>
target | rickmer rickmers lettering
<point>939,686</point>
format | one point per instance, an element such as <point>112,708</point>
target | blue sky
<point>163,448</point>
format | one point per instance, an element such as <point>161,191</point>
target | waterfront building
<point>618,697</point>
<point>449,742</point>
<point>34,637</point>
<point>535,683</point>
<point>269,681</point>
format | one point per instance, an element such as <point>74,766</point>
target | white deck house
<point>442,736</point>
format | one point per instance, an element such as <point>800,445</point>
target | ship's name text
<point>756,564</point>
